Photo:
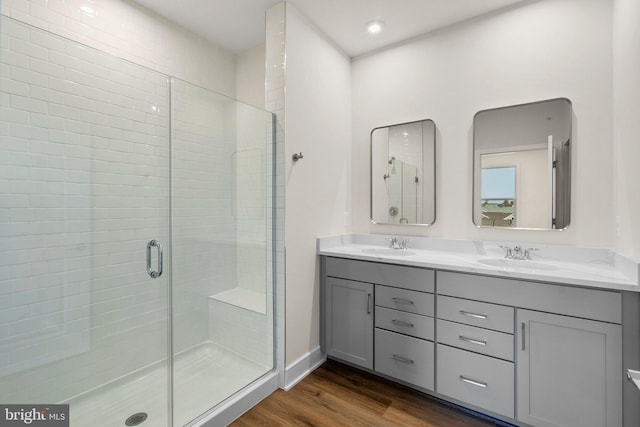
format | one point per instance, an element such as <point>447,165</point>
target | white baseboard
<point>302,367</point>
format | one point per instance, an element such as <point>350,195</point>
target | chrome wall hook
<point>297,156</point>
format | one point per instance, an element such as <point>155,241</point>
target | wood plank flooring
<point>338,395</point>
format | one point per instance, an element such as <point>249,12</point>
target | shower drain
<point>136,419</point>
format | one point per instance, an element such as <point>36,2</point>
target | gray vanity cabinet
<point>568,346</point>
<point>475,353</point>
<point>568,370</point>
<point>405,329</point>
<point>399,343</point>
<point>530,353</point>
<point>349,321</point>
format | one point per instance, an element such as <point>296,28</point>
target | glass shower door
<point>222,283</point>
<point>84,188</point>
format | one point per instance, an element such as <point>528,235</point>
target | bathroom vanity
<point>545,352</point>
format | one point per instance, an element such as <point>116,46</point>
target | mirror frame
<point>435,216</point>
<point>474,173</point>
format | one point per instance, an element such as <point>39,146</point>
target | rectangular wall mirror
<point>522,166</point>
<point>403,173</point>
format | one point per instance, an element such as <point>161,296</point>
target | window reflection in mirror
<point>522,166</point>
<point>498,194</point>
<point>403,173</point>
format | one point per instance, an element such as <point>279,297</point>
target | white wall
<point>543,50</point>
<point>317,108</point>
<point>250,76</point>
<point>626,79</point>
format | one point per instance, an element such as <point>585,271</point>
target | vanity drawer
<point>405,323</point>
<point>404,300</point>
<point>475,379</point>
<point>405,358</point>
<point>418,279</point>
<point>592,304</point>
<point>479,340</point>
<point>474,313</point>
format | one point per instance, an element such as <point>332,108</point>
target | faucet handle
<point>509,253</point>
<point>527,252</point>
<point>403,244</point>
<point>393,242</point>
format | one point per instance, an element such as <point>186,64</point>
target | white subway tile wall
<point>253,192</point>
<point>126,30</point>
<point>204,249</point>
<point>243,332</point>
<point>275,55</point>
<point>84,166</point>
<point>221,221</point>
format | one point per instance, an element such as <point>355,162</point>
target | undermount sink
<point>388,251</point>
<point>515,264</point>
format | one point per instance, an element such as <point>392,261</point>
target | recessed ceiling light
<point>374,27</point>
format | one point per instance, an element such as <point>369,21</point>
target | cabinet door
<point>349,321</point>
<point>569,371</point>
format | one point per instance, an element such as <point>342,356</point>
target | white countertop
<point>589,267</point>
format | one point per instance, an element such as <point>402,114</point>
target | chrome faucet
<point>517,253</point>
<point>395,243</point>
<point>509,252</point>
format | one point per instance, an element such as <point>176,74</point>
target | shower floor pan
<point>203,377</point>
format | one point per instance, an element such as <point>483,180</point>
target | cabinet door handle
<point>402,301</point>
<point>369,303</point>
<point>402,323</point>
<point>472,341</point>
<point>474,315</point>
<point>402,359</point>
<point>473,382</point>
<point>523,326</point>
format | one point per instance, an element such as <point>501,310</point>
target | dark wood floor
<point>338,395</point>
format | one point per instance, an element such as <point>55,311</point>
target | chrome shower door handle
<point>153,273</point>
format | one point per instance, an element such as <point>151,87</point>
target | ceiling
<point>238,25</point>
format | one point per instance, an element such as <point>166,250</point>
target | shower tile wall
<point>275,57</point>
<point>125,30</point>
<point>204,230</point>
<point>84,186</point>
<point>252,205</point>
<point>221,222</point>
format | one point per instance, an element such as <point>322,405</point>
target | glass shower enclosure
<point>136,280</point>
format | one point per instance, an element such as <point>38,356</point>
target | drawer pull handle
<point>472,341</point>
<point>402,301</point>
<point>402,323</point>
<point>402,359</point>
<point>472,382</point>
<point>474,315</point>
